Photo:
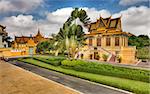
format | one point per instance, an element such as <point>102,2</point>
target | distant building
<point>4,50</point>
<point>26,45</point>
<point>3,35</point>
<point>107,38</point>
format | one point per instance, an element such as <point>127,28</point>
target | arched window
<point>108,39</point>
<point>98,41</point>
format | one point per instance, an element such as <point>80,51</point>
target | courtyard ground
<point>14,80</point>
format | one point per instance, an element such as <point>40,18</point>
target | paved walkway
<point>70,81</point>
<point>14,80</point>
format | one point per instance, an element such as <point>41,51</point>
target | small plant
<point>105,57</point>
<point>119,59</point>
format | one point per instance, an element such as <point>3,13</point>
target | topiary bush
<point>52,62</point>
<point>109,70</point>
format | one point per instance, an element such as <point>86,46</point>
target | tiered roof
<point>106,26</point>
<point>24,39</point>
<point>107,23</point>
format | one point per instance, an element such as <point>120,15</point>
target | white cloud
<point>135,20</point>
<point>18,5</point>
<point>131,2</point>
<point>19,25</point>
<point>59,16</point>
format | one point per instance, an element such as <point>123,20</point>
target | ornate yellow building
<point>26,45</point>
<point>106,39</point>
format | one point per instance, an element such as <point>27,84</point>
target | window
<point>98,41</point>
<point>107,41</point>
<point>124,41</point>
<point>90,42</point>
<point>116,41</point>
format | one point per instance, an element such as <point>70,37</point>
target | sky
<point>25,17</point>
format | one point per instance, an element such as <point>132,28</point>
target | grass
<point>125,84</point>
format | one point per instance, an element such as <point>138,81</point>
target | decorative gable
<point>101,24</point>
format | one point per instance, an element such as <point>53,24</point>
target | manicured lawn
<point>137,87</point>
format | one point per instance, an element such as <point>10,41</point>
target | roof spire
<point>100,16</point>
<point>38,31</point>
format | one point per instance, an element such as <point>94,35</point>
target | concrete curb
<point>113,88</point>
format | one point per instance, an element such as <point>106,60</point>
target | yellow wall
<point>126,53</point>
<point>5,52</point>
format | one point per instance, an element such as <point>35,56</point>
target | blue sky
<point>112,5</point>
<point>25,16</point>
<point>52,5</point>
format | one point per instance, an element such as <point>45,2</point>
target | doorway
<point>30,50</point>
<point>96,55</point>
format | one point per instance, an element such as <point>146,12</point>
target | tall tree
<point>139,41</point>
<point>71,36</point>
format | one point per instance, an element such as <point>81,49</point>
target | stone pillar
<point>122,41</point>
<point>94,41</point>
<point>112,41</point>
<point>126,41</point>
<point>103,41</point>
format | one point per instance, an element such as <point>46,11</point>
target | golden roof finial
<point>100,16</point>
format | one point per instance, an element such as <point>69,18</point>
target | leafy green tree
<point>142,42</point>
<point>45,46</point>
<point>139,41</point>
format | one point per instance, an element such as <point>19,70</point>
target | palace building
<point>106,39</point>
<point>26,45</point>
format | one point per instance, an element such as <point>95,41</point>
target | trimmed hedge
<point>52,62</point>
<point>105,69</point>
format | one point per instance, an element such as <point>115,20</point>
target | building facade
<point>26,45</point>
<point>4,50</point>
<point>106,40</point>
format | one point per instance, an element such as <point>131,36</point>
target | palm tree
<point>81,14</point>
<point>71,37</point>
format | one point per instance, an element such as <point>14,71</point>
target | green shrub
<point>72,63</point>
<point>143,53</point>
<point>55,59</point>
<point>52,62</point>
<point>105,69</point>
<point>105,57</point>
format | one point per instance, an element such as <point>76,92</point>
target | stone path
<point>14,80</point>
